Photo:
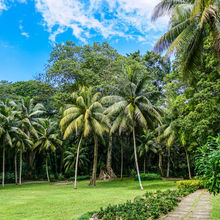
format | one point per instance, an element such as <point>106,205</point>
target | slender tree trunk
<point>16,170</point>
<point>94,170</point>
<point>144,165</point>
<point>3,167</point>
<point>77,159</point>
<point>168,162</point>
<point>20,167</point>
<point>109,169</point>
<point>135,156</point>
<point>122,160</point>
<point>48,177</point>
<point>161,164</point>
<point>188,163</point>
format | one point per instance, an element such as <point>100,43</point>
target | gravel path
<point>194,206</point>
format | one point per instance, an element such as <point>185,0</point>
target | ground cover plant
<point>48,201</point>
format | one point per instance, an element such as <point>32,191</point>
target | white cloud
<point>3,5</point>
<point>21,28</point>
<point>25,34</point>
<point>108,18</point>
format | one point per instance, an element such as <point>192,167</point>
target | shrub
<point>195,184</point>
<point>80,178</point>
<point>152,205</point>
<point>149,176</point>
<point>9,177</point>
<point>60,176</point>
<point>208,164</point>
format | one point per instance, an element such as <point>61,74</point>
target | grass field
<point>215,212</point>
<point>43,201</point>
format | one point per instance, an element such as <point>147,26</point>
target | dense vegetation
<point>92,104</point>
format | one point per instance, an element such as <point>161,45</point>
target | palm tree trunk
<point>16,170</point>
<point>48,177</point>
<point>161,164</point>
<point>122,160</point>
<point>20,167</point>
<point>109,169</point>
<point>77,159</point>
<point>3,167</point>
<point>188,163</point>
<point>144,164</point>
<point>168,163</point>
<point>135,156</point>
<point>93,179</point>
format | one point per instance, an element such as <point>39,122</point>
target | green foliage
<point>86,177</point>
<point>9,178</point>
<point>208,164</point>
<point>149,176</point>
<point>195,184</point>
<point>152,205</point>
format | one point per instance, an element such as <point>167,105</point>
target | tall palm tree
<point>7,128</point>
<point>191,22</point>
<point>133,108</point>
<point>148,143</point>
<point>48,140</point>
<point>71,155</point>
<point>29,118</point>
<point>84,116</point>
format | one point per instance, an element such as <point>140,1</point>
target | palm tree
<point>84,116</point>
<point>191,22</point>
<point>7,128</point>
<point>147,144</point>
<point>133,108</point>
<point>168,135</point>
<point>48,139</point>
<point>71,155</point>
<point>28,115</point>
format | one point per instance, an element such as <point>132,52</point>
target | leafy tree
<point>48,139</point>
<point>85,116</point>
<point>132,107</point>
<point>191,22</point>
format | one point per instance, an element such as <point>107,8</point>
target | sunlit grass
<point>43,201</point>
<point>215,212</point>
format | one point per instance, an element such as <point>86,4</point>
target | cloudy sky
<point>29,29</point>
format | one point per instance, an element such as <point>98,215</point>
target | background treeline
<point>189,106</point>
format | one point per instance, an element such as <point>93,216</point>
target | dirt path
<point>192,207</point>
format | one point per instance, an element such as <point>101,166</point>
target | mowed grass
<point>215,212</point>
<point>44,201</point>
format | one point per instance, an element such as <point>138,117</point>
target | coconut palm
<point>29,118</point>
<point>167,134</point>
<point>48,140</point>
<point>84,116</point>
<point>70,157</point>
<point>7,128</point>
<point>132,108</point>
<point>191,22</point>
<point>148,143</point>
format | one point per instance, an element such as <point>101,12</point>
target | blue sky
<point>29,29</point>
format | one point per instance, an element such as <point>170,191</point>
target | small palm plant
<point>148,143</point>
<point>70,157</point>
<point>48,140</point>
<point>132,108</point>
<point>85,116</point>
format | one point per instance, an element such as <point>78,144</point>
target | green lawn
<point>215,212</point>
<point>43,201</point>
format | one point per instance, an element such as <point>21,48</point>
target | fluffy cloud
<point>108,18</point>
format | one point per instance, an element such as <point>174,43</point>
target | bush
<point>208,164</point>
<point>80,178</point>
<point>149,176</point>
<point>9,178</point>
<point>195,184</point>
<point>60,177</point>
<point>152,205</point>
